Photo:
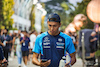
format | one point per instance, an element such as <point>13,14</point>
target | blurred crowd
<point>74,38</point>
<point>21,43</point>
<point>18,43</point>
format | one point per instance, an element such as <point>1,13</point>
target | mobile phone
<point>44,60</point>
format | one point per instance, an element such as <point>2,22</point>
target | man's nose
<point>52,28</point>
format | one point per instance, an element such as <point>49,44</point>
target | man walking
<point>7,43</point>
<point>53,45</point>
<point>25,50</point>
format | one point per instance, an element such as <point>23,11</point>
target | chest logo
<point>46,39</point>
<point>60,39</point>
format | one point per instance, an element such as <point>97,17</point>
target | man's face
<point>25,34</point>
<point>53,27</point>
<point>5,31</point>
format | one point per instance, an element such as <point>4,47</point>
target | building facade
<point>22,9</point>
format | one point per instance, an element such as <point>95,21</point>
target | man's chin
<point>53,34</point>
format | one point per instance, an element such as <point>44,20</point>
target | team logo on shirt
<point>60,39</point>
<point>46,42</point>
<point>46,39</point>
<point>60,44</point>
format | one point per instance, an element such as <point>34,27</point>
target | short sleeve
<point>69,46</point>
<point>37,47</point>
<point>21,38</point>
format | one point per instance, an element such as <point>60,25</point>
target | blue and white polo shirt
<point>53,47</point>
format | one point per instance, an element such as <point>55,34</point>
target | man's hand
<point>1,43</point>
<point>73,60</point>
<point>67,65</point>
<point>36,62</point>
<point>45,64</point>
<point>4,60</point>
<point>95,38</point>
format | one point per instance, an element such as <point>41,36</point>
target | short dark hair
<point>25,31</point>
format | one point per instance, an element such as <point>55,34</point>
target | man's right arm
<point>35,59</point>
<point>1,43</point>
<point>36,62</point>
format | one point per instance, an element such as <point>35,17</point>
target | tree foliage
<point>64,6</point>
<point>5,13</point>
<point>59,7</point>
<point>32,18</point>
<point>67,14</point>
<point>54,5</point>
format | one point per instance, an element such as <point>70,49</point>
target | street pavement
<point>13,63</point>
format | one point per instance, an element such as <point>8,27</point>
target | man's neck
<point>54,34</point>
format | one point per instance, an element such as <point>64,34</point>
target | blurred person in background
<point>19,32</point>
<point>32,41</point>
<point>1,38</point>
<point>13,44</point>
<point>93,43</point>
<point>3,61</point>
<point>18,49</point>
<point>53,45</point>
<point>25,42</point>
<point>74,38</point>
<point>22,33</point>
<point>7,41</point>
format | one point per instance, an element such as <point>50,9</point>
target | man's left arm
<point>73,60</point>
<point>71,50</point>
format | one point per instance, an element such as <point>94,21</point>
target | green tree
<point>32,18</point>
<point>5,13</point>
<point>62,13</point>
<point>42,20</point>
<point>60,7</point>
<point>52,5</point>
<point>63,17</point>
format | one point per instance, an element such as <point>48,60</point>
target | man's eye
<point>50,25</point>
